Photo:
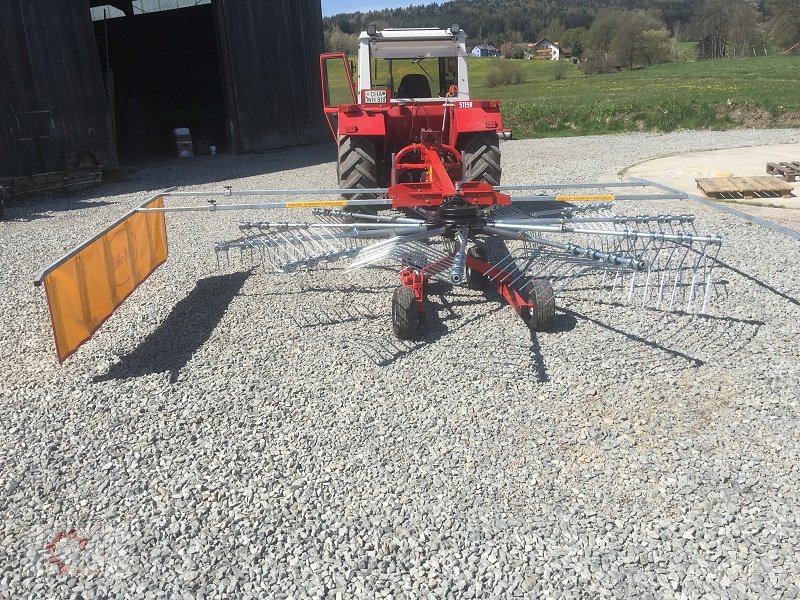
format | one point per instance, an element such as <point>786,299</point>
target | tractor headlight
<point>372,30</point>
<point>455,28</point>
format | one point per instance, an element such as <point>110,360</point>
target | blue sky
<point>332,7</point>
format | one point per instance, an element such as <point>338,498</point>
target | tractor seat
<point>414,85</point>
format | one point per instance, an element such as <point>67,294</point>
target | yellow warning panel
<point>598,198</point>
<point>316,204</point>
<point>85,287</point>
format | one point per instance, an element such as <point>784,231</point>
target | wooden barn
<point>87,83</point>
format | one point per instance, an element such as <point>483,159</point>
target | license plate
<point>375,96</point>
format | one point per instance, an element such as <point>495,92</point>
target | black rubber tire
<point>481,152</point>
<point>540,294</point>
<point>405,316</point>
<point>475,279</point>
<point>357,167</point>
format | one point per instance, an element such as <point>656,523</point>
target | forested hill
<point>496,21</point>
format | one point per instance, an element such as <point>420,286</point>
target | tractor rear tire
<point>482,157</point>
<point>541,295</point>
<point>405,315</point>
<point>357,167</point>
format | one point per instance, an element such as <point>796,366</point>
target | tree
<point>337,40</point>
<point>726,27</point>
<point>785,21</point>
<point>655,46</point>
<point>573,39</point>
<point>602,32</point>
<point>553,31</point>
<point>627,37</point>
<point>630,44</point>
<point>742,30</point>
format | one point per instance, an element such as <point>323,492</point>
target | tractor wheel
<point>482,157</point>
<point>357,166</point>
<point>541,295</point>
<point>405,316</point>
<point>475,279</point>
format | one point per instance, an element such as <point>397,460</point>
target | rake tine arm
<point>599,256</point>
<point>380,250</point>
<point>265,226</point>
<point>348,217</point>
<point>570,210</point>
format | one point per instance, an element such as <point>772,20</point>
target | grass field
<point>715,94</point>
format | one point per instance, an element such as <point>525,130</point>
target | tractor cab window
<point>415,69</point>
<point>416,77</point>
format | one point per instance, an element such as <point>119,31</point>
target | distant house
<point>485,50</point>
<point>544,49</point>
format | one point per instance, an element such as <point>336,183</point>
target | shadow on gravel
<point>21,212</point>
<point>145,177</point>
<point>760,283</point>
<point>184,330</point>
<point>440,312</point>
<point>442,318</point>
<point>562,323</point>
<point>332,316</point>
<point>693,361</point>
<point>685,341</point>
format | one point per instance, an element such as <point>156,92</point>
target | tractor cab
<point>418,64</point>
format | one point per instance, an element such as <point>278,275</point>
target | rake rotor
<point>657,262</point>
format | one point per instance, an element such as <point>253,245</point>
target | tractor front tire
<point>405,315</point>
<point>481,153</point>
<point>357,167</point>
<point>541,295</point>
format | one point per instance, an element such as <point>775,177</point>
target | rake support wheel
<point>482,158</point>
<point>541,295</point>
<point>405,314</point>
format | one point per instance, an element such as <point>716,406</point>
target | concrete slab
<point>681,170</point>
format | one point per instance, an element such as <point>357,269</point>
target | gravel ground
<point>235,433</point>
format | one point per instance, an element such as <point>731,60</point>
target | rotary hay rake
<point>440,228</point>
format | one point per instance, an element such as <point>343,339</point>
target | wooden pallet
<point>744,187</point>
<point>788,171</point>
<point>47,182</point>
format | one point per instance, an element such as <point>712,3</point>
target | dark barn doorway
<point>162,72</point>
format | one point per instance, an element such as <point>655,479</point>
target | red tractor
<point>412,91</point>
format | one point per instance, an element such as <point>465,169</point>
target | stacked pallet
<point>730,188</point>
<point>788,171</point>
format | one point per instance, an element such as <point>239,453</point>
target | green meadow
<point>714,94</point>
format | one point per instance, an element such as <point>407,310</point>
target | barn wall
<point>270,57</point>
<point>49,62</point>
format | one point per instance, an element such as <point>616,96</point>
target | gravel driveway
<point>235,433</point>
